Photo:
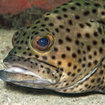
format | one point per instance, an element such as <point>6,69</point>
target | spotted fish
<point>64,50</point>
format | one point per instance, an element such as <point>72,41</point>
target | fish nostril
<point>5,60</point>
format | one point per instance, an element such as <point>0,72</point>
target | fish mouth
<point>15,73</point>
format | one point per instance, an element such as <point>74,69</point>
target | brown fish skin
<point>73,61</point>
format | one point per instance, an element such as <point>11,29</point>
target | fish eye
<point>43,43</point>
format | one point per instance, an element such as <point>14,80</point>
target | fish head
<point>31,62</point>
<point>60,51</point>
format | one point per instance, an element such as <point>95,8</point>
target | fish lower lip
<point>40,82</point>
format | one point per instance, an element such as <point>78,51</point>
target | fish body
<point>63,51</point>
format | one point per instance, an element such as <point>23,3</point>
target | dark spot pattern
<point>78,45</point>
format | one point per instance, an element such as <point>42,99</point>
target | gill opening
<point>87,76</point>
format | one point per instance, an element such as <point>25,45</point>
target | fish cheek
<point>49,72</point>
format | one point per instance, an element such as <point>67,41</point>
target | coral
<point>13,6</point>
<point>48,4</point>
<point>18,13</point>
<point>17,6</point>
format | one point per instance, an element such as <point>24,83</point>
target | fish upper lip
<point>41,61</point>
<point>8,65</point>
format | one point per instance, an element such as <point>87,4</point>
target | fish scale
<point>73,60</point>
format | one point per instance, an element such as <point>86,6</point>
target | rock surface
<point>15,95</point>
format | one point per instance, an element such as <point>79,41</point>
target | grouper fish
<point>64,50</point>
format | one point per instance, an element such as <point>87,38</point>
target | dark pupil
<point>43,42</point>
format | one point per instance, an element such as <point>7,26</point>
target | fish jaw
<point>21,73</point>
<point>33,81</point>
